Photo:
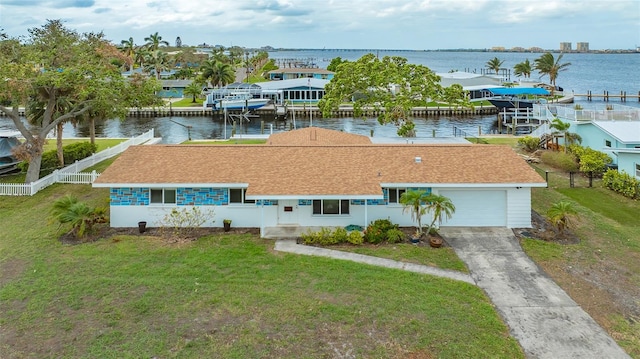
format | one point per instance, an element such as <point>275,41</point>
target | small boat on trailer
<point>517,97</point>
<point>8,141</point>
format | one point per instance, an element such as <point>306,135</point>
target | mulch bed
<point>542,229</point>
<point>102,232</point>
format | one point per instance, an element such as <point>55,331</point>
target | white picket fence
<point>71,173</point>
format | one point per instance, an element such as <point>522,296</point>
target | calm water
<point>595,72</point>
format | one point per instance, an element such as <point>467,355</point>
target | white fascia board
<point>315,196</point>
<point>172,185</point>
<point>462,185</point>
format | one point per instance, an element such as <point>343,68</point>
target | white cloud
<point>393,24</point>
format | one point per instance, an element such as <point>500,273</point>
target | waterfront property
<point>173,88</point>
<point>300,73</point>
<point>612,129</point>
<point>317,178</point>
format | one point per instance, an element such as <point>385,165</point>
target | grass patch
<point>101,143</point>
<point>225,296</point>
<point>607,203</point>
<point>444,257</point>
<point>500,140</point>
<point>187,102</point>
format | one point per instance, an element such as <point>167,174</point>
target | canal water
<point>179,129</point>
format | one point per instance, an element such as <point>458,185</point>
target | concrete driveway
<point>540,315</point>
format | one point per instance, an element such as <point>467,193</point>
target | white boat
<point>8,141</point>
<point>237,101</point>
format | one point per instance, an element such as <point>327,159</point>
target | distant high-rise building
<point>582,47</point>
<point>565,46</point>
<point>178,42</point>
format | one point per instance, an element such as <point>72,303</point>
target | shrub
<point>339,235</point>
<point>185,220</point>
<point>395,235</point>
<point>622,183</point>
<point>376,231</point>
<point>529,143</point>
<point>71,153</point>
<point>323,237</point>
<point>355,237</point>
<point>564,161</point>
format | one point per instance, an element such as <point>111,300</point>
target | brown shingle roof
<point>318,170</point>
<point>314,136</point>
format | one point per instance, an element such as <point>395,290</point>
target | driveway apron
<point>540,315</point>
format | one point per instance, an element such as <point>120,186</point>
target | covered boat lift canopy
<point>518,91</point>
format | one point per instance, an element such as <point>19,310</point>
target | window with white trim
<point>239,195</point>
<point>395,193</point>
<point>607,143</point>
<point>331,206</point>
<point>637,170</point>
<point>163,196</point>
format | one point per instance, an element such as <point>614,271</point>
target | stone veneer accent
<point>305,202</point>
<point>189,196</point>
<point>128,196</point>
<point>267,202</point>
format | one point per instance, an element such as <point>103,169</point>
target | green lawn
<point>602,272</point>
<point>102,143</point>
<point>187,102</point>
<point>223,296</point>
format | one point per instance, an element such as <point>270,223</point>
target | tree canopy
<point>57,65</point>
<point>546,64</point>
<point>390,86</point>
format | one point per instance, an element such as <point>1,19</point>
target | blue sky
<point>344,24</point>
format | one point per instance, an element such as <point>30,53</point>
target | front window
<point>331,206</point>
<point>239,195</point>
<point>163,196</point>
<point>607,143</point>
<point>637,170</point>
<point>395,193</point>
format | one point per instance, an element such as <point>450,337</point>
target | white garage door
<point>477,208</point>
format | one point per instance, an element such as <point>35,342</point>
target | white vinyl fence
<point>71,173</point>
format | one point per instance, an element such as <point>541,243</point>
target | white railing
<point>71,173</point>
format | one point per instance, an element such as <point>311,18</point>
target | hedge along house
<point>314,177</point>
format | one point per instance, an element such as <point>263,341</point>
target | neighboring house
<point>477,85</point>
<point>299,73</point>
<point>302,90</point>
<point>332,179</point>
<point>173,88</point>
<point>619,139</point>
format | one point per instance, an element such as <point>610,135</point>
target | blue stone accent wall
<point>357,202</point>
<point>426,189</point>
<point>380,202</point>
<point>189,196</point>
<point>267,202</point>
<point>305,202</point>
<point>127,196</point>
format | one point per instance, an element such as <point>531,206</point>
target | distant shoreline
<point>540,51</point>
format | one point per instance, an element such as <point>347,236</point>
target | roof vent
<point>418,159</point>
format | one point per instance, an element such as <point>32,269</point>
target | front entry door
<point>288,212</point>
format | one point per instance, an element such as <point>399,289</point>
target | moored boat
<point>517,97</point>
<point>236,101</point>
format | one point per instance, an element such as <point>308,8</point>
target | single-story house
<point>173,88</point>
<point>619,139</point>
<point>301,90</point>
<point>299,73</point>
<point>317,177</point>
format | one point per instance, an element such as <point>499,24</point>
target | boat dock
<point>606,96</point>
<point>518,121</point>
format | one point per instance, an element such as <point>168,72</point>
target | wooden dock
<point>606,96</point>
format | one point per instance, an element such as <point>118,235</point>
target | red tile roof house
<point>316,177</point>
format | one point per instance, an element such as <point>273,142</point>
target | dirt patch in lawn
<point>542,229</point>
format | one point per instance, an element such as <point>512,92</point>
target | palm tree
<point>561,213</point>
<point>223,74</point>
<point>207,69</point>
<point>440,206</point>
<point>562,130</point>
<point>128,47</point>
<point>413,202</point>
<point>79,215</point>
<point>193,90</point>
<point>154,41</point>
<point>523,69</point>
<point>495,64</point>
<point>547,65</point>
